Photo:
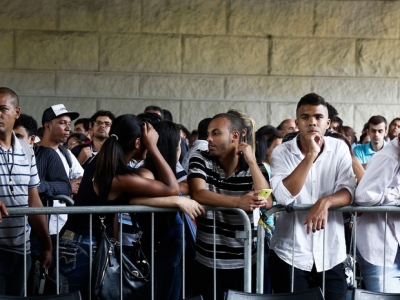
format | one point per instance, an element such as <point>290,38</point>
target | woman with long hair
<point>108,180</point>
<point>168,234</point>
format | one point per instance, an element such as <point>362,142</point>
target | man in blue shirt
<point>377,130</point>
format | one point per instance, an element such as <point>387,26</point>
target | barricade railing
<point>246,235</point>
<point>302,207</point>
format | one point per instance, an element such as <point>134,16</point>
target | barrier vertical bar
<point>120,258</point>
<point>57,258</point>
<point>384,254</point>
<point>152,256</point>
<point>183,256</point>
<point>215,258</point>
<point>90,254</point>
<point>294,239</point>
<point>354,247</point>
<point>260,258</point>
<point>323,262</point>
<point>25,264</point>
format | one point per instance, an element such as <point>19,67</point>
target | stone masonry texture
<point>198,58</point>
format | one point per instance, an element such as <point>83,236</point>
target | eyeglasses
<point>101,123</point>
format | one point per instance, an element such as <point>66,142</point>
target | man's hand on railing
<point>3,210</point>
<point>191,207</point>
<point>251,201</point>
<point>318,216</point>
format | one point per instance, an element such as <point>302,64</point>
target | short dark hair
<point>332,112</point>
<point>149,117</point>
<point>337,119</point>
<point>85,122</point>
<point>202,128</point>
<point>311,99</point>
<point>235,123</point>
<point>167,116</point>
<point>395,119</point>
<point>13,95</point>
<point>102,113</point>
<point>156,108</point>
<point>28,122</point>
<point>376,120</point>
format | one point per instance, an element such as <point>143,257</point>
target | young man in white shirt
<point>380,185</point>
<point>317,170</point>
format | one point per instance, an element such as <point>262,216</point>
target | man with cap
<point>56,121</point>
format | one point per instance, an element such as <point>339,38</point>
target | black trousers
<point>281,278</point>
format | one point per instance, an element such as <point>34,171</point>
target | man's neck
<point>229,163</point>
<point>46,142</point>
<point>97,143</point>
<point>6,140</point>
<point>377,147</point>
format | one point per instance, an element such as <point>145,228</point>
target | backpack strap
<point>66,153</point>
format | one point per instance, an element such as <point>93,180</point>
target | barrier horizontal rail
<point>305,207</point>
<point>245,234</point>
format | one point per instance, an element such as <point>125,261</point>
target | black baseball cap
<point>57,110</point>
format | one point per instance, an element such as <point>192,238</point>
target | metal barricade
<point>293,209</point>
<point>246,235</point>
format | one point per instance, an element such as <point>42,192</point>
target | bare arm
<point>295,181</point>
<point>247,202</point>
<point>189,206</point>
<point>259,181</point>
<point>318,215</point>
<point>357,168</point>
<point>39,226</point>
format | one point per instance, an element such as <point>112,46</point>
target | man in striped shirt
<point>226,176</point>
<point>18,188</point>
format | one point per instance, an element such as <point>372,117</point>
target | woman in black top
<point>108,180</point>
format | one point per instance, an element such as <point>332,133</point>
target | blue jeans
<point>373,275</point>
<point>74,261</point>
<point>12,273</point>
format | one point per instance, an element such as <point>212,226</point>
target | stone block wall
<point>201,57</point>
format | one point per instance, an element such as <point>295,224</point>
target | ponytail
<point>110,158</point>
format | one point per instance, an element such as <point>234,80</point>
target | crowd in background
<point>145,158</point>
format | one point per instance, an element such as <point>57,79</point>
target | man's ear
<point>236,135</point>
<point>329,122</point>
<point>17,112</point>
<point>32,139</point>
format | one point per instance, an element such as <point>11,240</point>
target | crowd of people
<point>107,160</point>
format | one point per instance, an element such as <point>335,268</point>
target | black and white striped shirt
<point>230,251</point>
<point>17,166</point>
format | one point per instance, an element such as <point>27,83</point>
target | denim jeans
<point>74,261</point>
<point>373,275</point>
<point>12,273</point>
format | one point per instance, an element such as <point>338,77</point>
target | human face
<point>394,129</point>
<point>288,127</point>
<point>101,127</point>
<point>312,119</point>
<point>335,126</point>
<point>59,128</point>
<point>78,128</point>
<point>377,133</point>
<point>22,134</point>
<point>220,140</point>
<point>8,114</point>
<point>271,148</point>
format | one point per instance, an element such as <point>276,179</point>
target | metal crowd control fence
<point>293,209</point>
<point>246,235</point>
